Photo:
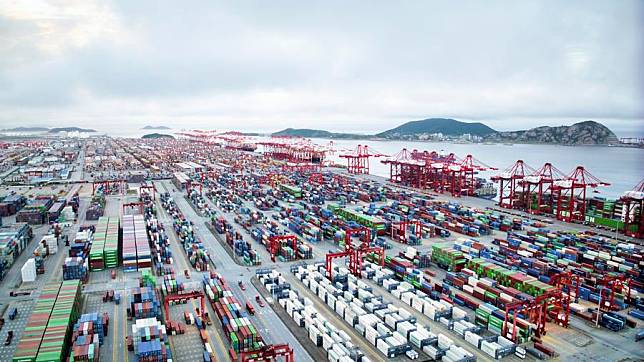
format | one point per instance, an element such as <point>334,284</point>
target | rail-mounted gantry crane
<point>269,353</point>
<point>355,253</point>
<point>275,243</point>
<point>400,230</point>
<point>148,188</point>
<point>535,310</point>
<point>109,185</point>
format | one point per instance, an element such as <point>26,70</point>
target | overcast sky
<point>346,65</point>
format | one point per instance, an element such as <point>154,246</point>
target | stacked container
<point>27,349</point>
<point>143,254</point>
<point>150,340</point>
<point>48,331</point>
<point>96,253</point>
<point>28,271</point>
<point>241,333</point>
<point>129,244</point>
<point>143,303</point>
<point>13,240</point>
<point>75,268</point>
<point>110,251</point>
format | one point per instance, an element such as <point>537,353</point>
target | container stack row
<point>159,242</point>
<point>243,249</point>
<point>143,303</point>
<point>48,332</point>
<point>361,309</point>
<point>241,333</point>
<point>193,247</point>
<point>321,332</point>
<point>88,335</point>
<point>442,310</point>
<point>75,267</point>
<point>97,252</point>
<point>136,247</point>
<point>150,341</point>
<point>128,248</point>
<point>111,249</point>
<point>13,240</point>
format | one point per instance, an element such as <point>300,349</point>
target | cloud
<point>360,66</point>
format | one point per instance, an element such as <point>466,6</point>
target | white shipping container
<point>431,351</point>
<point>458,313</point>
<point>473,339</point>
<point>28,271</point>
<point>444,341</point>
<point>383,346</point>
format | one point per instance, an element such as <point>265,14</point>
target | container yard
<point>223,247</point>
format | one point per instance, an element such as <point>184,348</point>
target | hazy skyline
<point>342,66</point>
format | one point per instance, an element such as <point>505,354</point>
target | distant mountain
<point>316,133</point>
<point>156,135</point>
<point>447,126</point>
<point>156,127</point>
<point>26,129</point>
<point>582,133</point>
<point>71,129</point>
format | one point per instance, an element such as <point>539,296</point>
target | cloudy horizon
<point>354,67</point>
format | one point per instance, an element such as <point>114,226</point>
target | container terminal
<point>222,247</point>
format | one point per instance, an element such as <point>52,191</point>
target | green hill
<point>446,126</point>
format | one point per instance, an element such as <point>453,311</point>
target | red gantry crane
<point>269,353</point>
<point>190,184</point>
<point>634,211</point>
<point>538,188</point>
<point>406,170</point>
<point>438,172</point>
<point>147,188</point>
<point>510,180</point>
<point>133,205</point>
<point>356,254</point>
<point>400,230</point>
<point>469,167</point>
<point>275,244</point>
<point>536,311</point>
<point>109,185</point>
<point>358,159</point>
<point>571,194</point>
<point>613,284</point>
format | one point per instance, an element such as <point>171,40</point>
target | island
<point>157,135</point>
<point>26,129</point>
<point>71,129</point>
<point>156,127</point>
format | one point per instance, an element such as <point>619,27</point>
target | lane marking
<point>116,323</point>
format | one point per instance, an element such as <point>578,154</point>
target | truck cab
<point>9,338</point>
<point>13,313</point>
<point>250,308</point>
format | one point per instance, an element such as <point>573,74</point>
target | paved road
<point>267,322</point>
<point>181,263</point>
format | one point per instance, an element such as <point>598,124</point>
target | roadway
<point>268,323</point>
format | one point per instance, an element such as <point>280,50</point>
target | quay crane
<point>358,159</point>
<point>509,182</point>
<point>571,194</point>
<point>634,208</point>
